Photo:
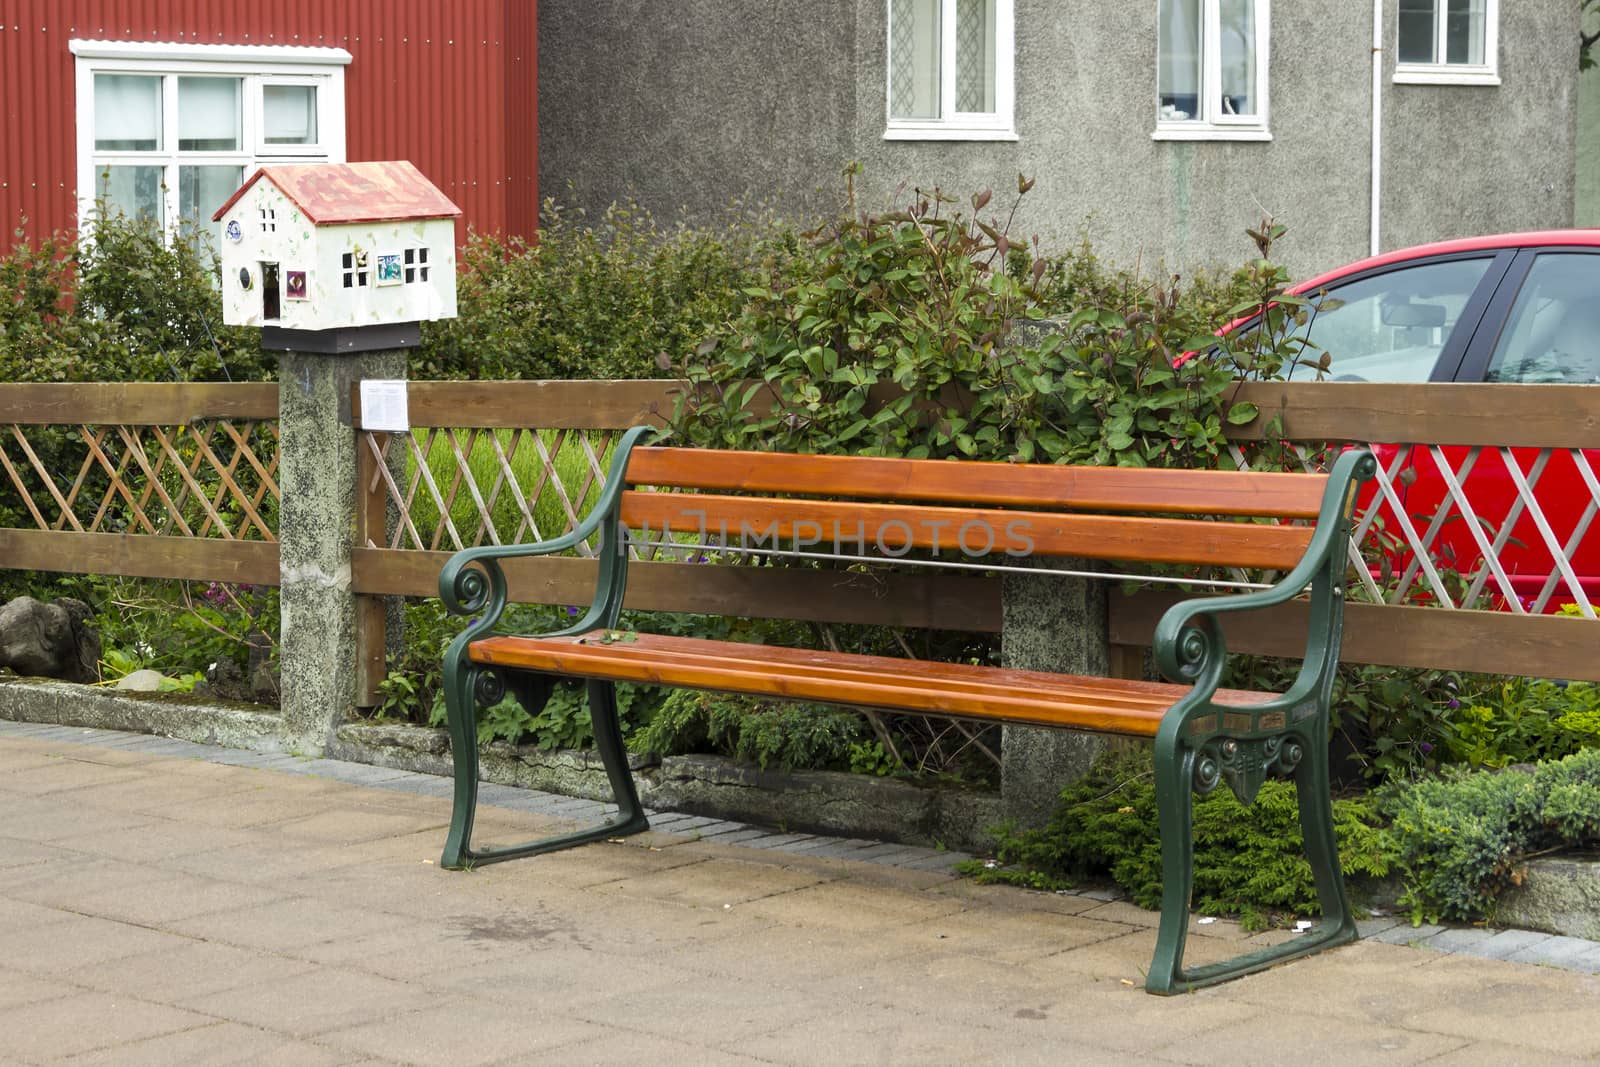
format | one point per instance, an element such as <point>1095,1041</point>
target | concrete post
<point>1049,623</point>
<point>316,530</point>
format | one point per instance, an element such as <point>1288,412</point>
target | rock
<point>223,679</point>
<point>49,640</point>
<point>145,681</point>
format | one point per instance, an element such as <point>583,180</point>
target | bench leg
<point>458,851</point>
<point>1174,782</point>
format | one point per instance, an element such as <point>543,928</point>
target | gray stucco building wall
<point>690,105</point>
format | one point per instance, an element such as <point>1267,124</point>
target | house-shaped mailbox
<point>336,246</point>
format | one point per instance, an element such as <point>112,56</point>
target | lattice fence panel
<point>1469,527</point>
<point>214,478</point>
<point>455,489</point>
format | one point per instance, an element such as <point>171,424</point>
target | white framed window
<point>169,131</point>
<point>1211,70</point>
<point>1448,42</point>
<point>951,70</point>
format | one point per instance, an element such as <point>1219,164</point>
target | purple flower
<point>1425,748</point>
<point>1452,703</point>
<point>572,611</point>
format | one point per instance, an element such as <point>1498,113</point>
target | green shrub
<point>1460,840</point>
<point>763,732</point>
<point>1249,860</point>
<point>592,300</point>
<point>898,334</point>
<point>131,305</point>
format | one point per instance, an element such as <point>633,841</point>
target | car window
<point>1553,331</point>
<point>1389,327</point>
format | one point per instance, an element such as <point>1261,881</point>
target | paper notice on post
<point>383,406</point>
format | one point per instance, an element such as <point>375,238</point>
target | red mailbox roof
<point>338,193</point>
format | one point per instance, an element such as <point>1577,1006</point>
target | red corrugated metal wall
<point>450,86</point>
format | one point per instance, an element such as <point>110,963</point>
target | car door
<point>1542,326</point>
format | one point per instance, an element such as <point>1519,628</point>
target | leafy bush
<point>1249,860</point>
<point>602,300</point>
<point>1459,840</point>
<point>129,306</point>
<point>1519,720</point>
<point>898,334</point>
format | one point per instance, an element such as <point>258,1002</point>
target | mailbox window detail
<point>416,265</point>
<point>355,269</point>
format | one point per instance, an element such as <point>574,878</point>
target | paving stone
<point>777,841</point>
<point>314,1002</point>
<point>891,853</point>
<point>746,836</point>
<point>1334,1042</point>
<point>188,970</point>
<point>17,989</point>
<point>874,1035</point>
<point>1406,934</point>
<point>675,823</point>
<point>463,1032</point>
<point>1458,939</point>
<point>1375,926</point>
<point>1553,950</point>
<point>834,847</point>
<point>217,1045</point>
<point>67,1025</point>
<point>284,925</point>
<point>627,1048</point>
<point>1505,943</point>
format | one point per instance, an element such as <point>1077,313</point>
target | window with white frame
<point>1448,42</point>
<point>169,131</point>
<point>1211,70</point>
<point>950,70</point>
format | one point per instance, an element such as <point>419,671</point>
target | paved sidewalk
<point>162,903</point>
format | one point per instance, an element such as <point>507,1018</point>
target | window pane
<point>208,114</point>
<point>127,112</point>
<point>1463,32</point>
<point>1553,334</point>
<point>289,114</point>
<point>1416,31</point>
<point>914,59</point>
<point>1178,73</point>
<point>1390,328</point>
<point>975,55</point>
<point>133,191</point>
<point>201,190</point>
<point>1238,41</point>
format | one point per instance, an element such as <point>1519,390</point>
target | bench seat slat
<point>1034,698</point>
<point>1253,493</point>
<point>973,531</point>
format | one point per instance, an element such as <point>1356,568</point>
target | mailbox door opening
<point>269,292</point>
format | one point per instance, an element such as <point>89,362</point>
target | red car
<point>1513,308</point>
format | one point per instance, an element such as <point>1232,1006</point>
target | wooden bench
<point>1202,735</point>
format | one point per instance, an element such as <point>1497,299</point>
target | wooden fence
<point>174,481</point>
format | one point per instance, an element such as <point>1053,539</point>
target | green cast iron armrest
<point>473,583</point>
<point>1188,645</point>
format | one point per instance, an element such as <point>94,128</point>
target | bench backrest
<point>873,506</point>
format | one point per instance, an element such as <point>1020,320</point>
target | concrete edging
<point>807,801</point>
<point>180,715</point>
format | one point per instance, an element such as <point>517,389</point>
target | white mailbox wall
<point>292,241</point>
